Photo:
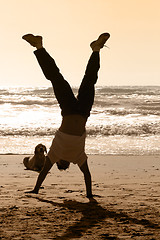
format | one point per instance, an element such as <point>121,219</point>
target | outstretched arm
<point>87,177</point>
<point>42,175</point>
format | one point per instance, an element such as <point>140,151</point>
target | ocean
<point>123,121</point>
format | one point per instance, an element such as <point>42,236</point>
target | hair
<point>62,165</point>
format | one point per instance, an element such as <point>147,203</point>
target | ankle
<point>39,46</point>
<point>96,49</point>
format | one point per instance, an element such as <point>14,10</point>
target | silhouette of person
<point>68,145</point>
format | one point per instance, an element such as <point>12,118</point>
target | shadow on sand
<point>92,214</point>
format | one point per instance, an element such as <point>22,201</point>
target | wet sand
<point>126,203</point>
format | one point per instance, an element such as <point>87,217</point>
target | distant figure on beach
<point>68,145</point>
<point>36,163</point>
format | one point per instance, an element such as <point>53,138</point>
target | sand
<point>126,206</point>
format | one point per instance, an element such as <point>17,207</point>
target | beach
<point>126,201</point>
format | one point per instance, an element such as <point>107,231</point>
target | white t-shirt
<point>68,147</point>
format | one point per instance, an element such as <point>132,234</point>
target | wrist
<point>35,190</point>
<point>89,195</point>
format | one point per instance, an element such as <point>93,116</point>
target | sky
<point>68,27</point>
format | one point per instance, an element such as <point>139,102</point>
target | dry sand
<point>126,206</point>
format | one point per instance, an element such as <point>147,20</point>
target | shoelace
<point>106,46</point>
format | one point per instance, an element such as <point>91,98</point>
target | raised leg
<point>62,89</point>
<point>87,89</point>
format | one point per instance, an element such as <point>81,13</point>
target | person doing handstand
<point>68,145</point>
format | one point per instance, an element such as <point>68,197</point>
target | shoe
<point>33,40</point>
<point>99,43</point>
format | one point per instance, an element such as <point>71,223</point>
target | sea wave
<point>138,111</point>
<point>30,102</point>
<point>129,90</point>
<point>40,91</point>
<point>126,130</point>
<point>111,100</point>
<point>101,130</point>
<point>124,120</point>
<point>116,111</point>
<point>27,132</point>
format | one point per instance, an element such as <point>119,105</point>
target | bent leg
<point>62,89</point>
<point>87,90</point>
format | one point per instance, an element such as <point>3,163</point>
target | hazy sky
<point>68,27</point>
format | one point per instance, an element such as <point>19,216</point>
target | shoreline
<point>99,145</point>
<point>127,200</point>
<point>91,154</point>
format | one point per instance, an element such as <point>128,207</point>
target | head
<point>40,149</point>
<point>62,164</point>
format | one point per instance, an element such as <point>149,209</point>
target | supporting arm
<point>47,166</point>
<point>87,177</point>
